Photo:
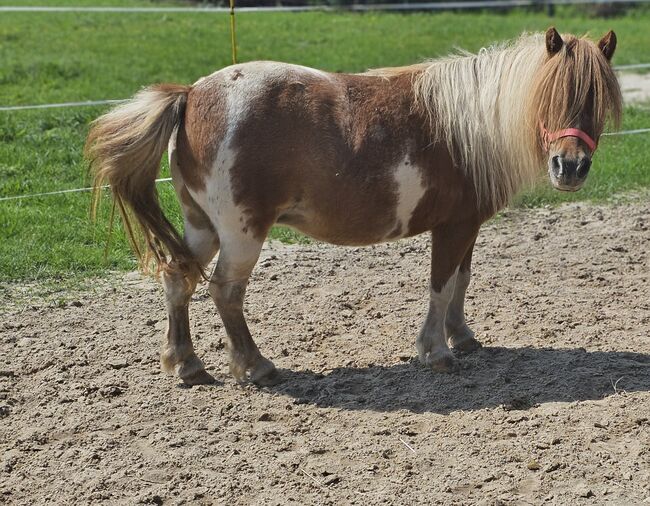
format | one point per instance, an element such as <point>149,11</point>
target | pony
<point>350,159</point>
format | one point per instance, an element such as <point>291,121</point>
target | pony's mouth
<point>566,184</point>
<point>566,187</point>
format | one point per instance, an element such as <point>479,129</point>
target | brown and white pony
<point>351,159</point>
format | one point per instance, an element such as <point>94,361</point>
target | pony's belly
<point>342,232</point>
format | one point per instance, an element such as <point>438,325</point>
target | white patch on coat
<point>410,191</point>
<point>216,199</point>
<point>433,338</point>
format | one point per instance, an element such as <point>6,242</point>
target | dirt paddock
<point>554,409</point>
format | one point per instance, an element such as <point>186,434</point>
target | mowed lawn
<point>61,57</point>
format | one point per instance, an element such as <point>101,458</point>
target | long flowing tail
<point>124,148</point>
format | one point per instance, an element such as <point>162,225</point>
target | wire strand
<point>233,35</point>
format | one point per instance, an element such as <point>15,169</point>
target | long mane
<point>487,106</point>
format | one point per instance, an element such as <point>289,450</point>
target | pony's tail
<point>124,148</point>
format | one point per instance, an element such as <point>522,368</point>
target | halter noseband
<point>548,137</point>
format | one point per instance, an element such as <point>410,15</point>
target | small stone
<point>151,323</point>
<point>265,417</point>
<point>518,404</point>
<point>10,464</point>
<point>110,391</point>
<point>533,465</point>
<point>159,477</point>
<point>552,467</point>
<point>273,277</point>
<point>332,480</point>
<point>5,373</point>
<point>117,363</point>
<point>601,425</point>
<point>542,446</point>
<point>76,303</point>
<point>584,491</point>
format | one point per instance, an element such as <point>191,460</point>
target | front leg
<point>460,335</point>
<point>450,244</point>
<point>432,340</point>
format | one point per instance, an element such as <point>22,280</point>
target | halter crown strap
<point>548,137</point>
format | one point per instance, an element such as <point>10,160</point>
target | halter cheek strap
<point>548,137</point>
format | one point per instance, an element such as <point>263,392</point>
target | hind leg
<point>239,253</point>
<point>178,351</point>
<point>460,335</point>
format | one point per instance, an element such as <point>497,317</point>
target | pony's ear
<point>553,41</point>
<point>608,44</point>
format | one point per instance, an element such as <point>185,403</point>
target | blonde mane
<point>487,106</point>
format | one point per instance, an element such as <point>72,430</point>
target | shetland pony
<point>351,159</point>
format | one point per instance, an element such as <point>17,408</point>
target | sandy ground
<point>554,409</point>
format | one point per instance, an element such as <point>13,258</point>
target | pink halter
<point>548,137</point>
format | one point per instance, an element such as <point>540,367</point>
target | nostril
<point>583,167</point>
<point>556,165</point>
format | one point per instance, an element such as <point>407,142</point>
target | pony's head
<point>573,95</point>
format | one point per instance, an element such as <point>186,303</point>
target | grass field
<point>68,57</point>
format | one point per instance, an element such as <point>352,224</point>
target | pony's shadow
<point>515,378</point>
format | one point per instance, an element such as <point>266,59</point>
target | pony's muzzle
<point>568,174</point>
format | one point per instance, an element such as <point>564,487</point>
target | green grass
<point>68,57</point>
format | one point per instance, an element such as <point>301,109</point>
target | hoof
<point>443,362</point>
<point>263,373</point>
<point>467,345</point>
<point>201,377</point>
<point>463,340</point>
<point>269,379</point>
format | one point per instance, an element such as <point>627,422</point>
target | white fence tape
<point>61,105</point>
<point>60,192</point>
<point>628,132</point>
<point>471,4</point>
<point>633,66</point>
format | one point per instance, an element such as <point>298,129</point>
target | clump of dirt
<point>555,407</point>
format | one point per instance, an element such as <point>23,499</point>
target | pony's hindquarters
<point>125,147</point>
